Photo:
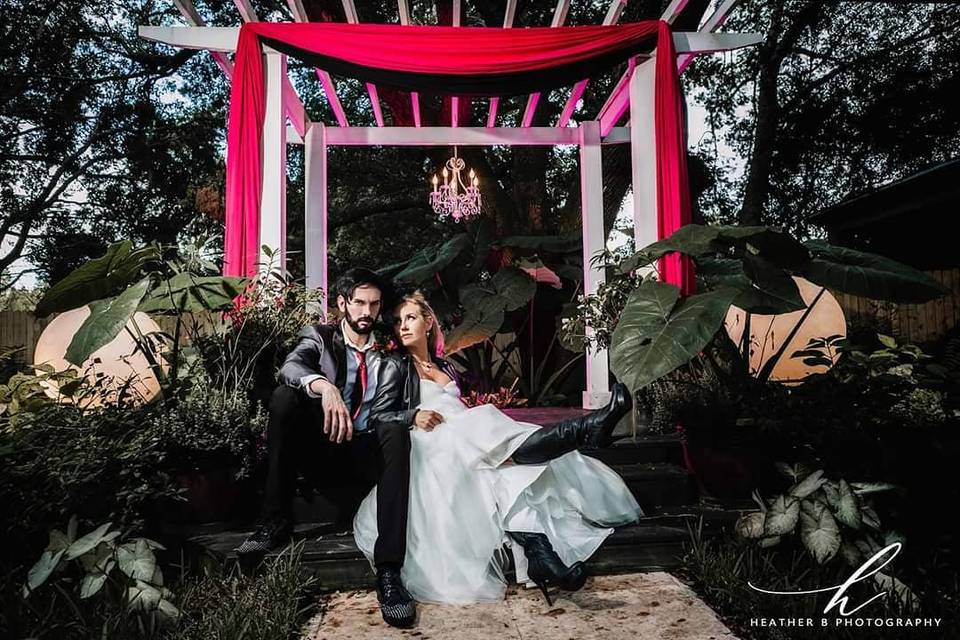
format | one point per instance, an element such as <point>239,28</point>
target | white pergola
<point>287,123</point>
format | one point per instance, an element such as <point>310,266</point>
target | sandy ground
<point>643,605</point>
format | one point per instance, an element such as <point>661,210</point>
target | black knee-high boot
<point>545,567</point>
<point>591,431</point>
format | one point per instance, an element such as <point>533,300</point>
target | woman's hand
<point>427,420</point>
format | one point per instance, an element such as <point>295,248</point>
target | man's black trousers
<point>296,441</point>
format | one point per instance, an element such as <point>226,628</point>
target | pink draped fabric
<point>449,60</point>
<point>673,185</point>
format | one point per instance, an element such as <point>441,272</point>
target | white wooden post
<point>273,194</point>
<point>315,198</point>
<point>597,393</point>
<point>643,153</point>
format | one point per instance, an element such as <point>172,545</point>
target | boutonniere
<point>384,341</point>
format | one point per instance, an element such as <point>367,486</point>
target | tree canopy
<point>839,97</point>
<point>104,136</point>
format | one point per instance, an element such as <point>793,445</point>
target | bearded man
<point>318,420</point>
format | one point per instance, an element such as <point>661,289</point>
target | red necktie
<point>360,384</point>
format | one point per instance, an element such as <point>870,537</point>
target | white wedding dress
<point>464,495</point>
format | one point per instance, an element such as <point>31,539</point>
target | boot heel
<point>546,592</point>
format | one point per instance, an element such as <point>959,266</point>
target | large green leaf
<point>808,485</point>
<point>107,318</point>
<point>819,533</point>
<point>772,290</point>
<point>40,571</point>
<point>657,333</point>
<point>136,559</point>
<point>98,278</point>
<point>773,245</point>
<point>188,293</point>
<point>868,275</point>
<point>87,542</point>
<point>846,505</point>
<point>94,580</point>
<point>478,324</point>
<point>430,261</point>
<point>514,286</point>
<point>782,516</point>
<point>486,306</point>
<point>692,240</point>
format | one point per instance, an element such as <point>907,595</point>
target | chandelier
<point>455,198</point>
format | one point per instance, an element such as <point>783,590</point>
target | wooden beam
<point>714,22</point>
<point>446,136</point>
<point>619,98</point>
<point>292,105</point>
<point>455,101</point>
<point>273,194</point>
<point>329,90</point>
<point>291,101</point>
<point>559,17</point>
<point>246,10</point>
<point>350,10</point>
<point>404,9</point>
<point>614,12</point>
<point>225,39</point>
<point>189,13</point>
<point>616,105</point>
<point>507,24</point>
<point>643,153</point>
<point>315,202</point>
<point>597,393</point>
<point>618,135</point>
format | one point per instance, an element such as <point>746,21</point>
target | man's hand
<point>336,418</point>
<point>427,420</point>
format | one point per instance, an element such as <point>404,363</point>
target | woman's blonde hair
<point>435,333</point>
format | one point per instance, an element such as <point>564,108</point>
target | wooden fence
<point>914,323</point>
<point>20,329</point>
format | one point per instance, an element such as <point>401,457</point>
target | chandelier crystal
<point>455,198</point>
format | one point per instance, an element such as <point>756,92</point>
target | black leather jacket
<point>398,390</point>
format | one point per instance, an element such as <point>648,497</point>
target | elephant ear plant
<point>831,518</point>
<point>659,331</point>
<point>483,287</point>
<point>123,575</point>
<point>126,280</point>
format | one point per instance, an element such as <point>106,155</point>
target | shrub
<point>211,429</point>
<point>272,605</point>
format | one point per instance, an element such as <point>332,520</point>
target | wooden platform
<point>544,415</point>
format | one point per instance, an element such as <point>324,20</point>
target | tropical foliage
<point>483,287</point>
<point>752,268</point>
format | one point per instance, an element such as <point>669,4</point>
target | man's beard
<point>355,324</point>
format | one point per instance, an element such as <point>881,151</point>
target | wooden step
<point>653,484</point>
<point>656,543</point>
<point>658,484</point>
<point>652,448</point>
<point>333,558</point>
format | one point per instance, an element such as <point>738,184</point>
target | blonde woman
<point>480,480</point>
